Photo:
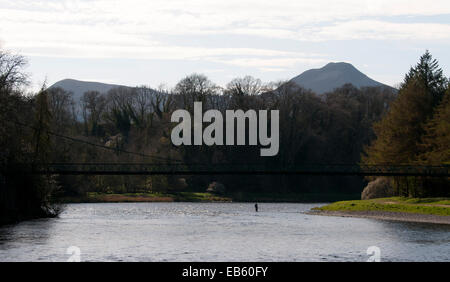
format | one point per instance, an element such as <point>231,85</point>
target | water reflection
<point>217,232</point>
<point>35,231</point>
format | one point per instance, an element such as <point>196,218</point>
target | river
<point>216,232</point>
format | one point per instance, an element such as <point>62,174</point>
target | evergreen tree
<point>399,131</point>
<point>436,149</point>
<point>406,134</point>
<point>436,140</point>
<point>428,70</point>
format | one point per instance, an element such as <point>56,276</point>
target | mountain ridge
<point>78,87</point>
<point>334,75</point>
<point>322,80</point>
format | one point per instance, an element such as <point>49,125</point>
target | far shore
<point>94,197</point>
<point>427,210</point>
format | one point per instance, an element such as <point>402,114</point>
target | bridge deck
<point>183,169</point>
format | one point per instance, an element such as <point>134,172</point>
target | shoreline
<point>144,198</point>
<point>93,197</point>
<point>426,210</point>
<point>386,215</point>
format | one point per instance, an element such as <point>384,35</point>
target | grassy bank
<point>428,206</point>
<point>92,197</point>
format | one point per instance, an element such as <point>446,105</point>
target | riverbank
<point>92,197</point>
<point>430,210</point>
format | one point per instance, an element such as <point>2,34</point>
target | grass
<point>433,206</point>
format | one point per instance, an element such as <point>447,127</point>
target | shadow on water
<point>31,231</point>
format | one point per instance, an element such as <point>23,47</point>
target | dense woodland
<point>346,126</point>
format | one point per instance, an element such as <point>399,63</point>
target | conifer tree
<point>428,70</point>
<point>436,140</point>
<point>399,135</point>
<point>399,132</point>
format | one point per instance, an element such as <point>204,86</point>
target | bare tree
<point>143,102</point>
<point>247,85</point>
<point>195,88</point>
<point>11,71</point>
<point>61,106</point>
<point>242,92</point>
<point>93,105</point>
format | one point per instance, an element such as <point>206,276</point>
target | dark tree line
<point>330,128</point>
<point>133,125</point>
<point>23,195</point>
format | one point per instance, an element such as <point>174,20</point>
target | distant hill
<point>320,81</point>
<point>78,87</point>
<point>332,76</point>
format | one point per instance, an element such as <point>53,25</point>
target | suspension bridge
<point>235,169</point>
<point>163,166</point>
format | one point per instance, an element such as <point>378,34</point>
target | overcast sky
<point>149,42</point>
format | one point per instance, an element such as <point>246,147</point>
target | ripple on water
<point>217,232</point>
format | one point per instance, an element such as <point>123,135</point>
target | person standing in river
<point>256,207</point>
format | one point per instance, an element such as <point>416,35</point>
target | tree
<point>400,133</point>
<point>435,145</point>
<point>41,136</point>
<point>428,70</point>
<point>11,71</point>
<point>24,139</point>
<point>61,106</point>
<point>93,106</point>
<point>247,85</point>
<point>435,149</point>
<point>401,129</point>
<point>241,88</point>
<point>143,108</point>
<point>195,88</point>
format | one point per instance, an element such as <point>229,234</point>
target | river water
<point>216,232</point>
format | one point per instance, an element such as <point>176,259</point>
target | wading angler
<point>213,134</point>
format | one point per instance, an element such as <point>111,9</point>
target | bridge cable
<point>96,145</point>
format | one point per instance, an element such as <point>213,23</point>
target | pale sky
<point>149,42</point>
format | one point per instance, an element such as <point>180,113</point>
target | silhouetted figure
<point>256,207</point>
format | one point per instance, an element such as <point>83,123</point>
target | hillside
<point>78,87</point>
<point>332,76</point>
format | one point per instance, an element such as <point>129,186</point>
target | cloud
<point>272,63</point>
<point>134,28</point>
<point>378,30</point>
